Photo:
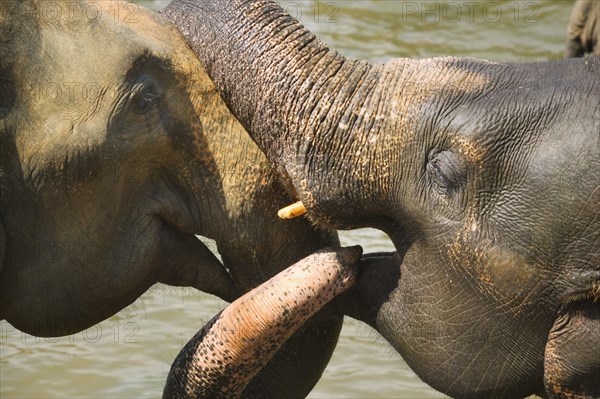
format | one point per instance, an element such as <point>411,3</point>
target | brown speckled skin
<point>226,354</point>
<point>103,192</point>
<point>484,175</point>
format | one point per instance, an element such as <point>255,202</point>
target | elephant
<point>484,175</point>
<point>583,31</point>
<point>115,151</point>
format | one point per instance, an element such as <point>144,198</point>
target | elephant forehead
<point>73,67</point>
<point>409,85</point>
<point>414,82</point>
<point>153,32</point>
<point>68,83</point>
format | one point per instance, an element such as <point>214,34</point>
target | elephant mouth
<point>170,225</point>
<point>182,224</point>
<point>378,278</point>
<point>175,239</point>
<point>186,261</point>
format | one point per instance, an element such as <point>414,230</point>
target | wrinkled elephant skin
<point>115,151</point>
<point>236,344</point>
<point>485,175</point>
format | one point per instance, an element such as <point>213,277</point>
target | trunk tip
<point>351,255</point>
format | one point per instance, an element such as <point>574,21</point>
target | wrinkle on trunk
<point>237,343</point>
<point>336,129</point>
<point>303,103</point>
<point>241,207</point>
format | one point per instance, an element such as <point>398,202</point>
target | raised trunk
<point>253,242</point>
<point>233,347</point>
<point>338,130</point>
<point>303,103</point>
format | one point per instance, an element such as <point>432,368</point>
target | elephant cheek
<point>236,344</point>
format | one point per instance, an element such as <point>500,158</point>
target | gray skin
<point>103,191</point>
<point>583,31</point>
<point>221,359</point>
<point>485,176</point>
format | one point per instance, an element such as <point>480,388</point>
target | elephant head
<point>96,138</point>
<point>485,176</point>
<point>115,151</point>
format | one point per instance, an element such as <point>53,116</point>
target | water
<point>129,355</point>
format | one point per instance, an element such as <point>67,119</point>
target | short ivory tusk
<point>292,211</point>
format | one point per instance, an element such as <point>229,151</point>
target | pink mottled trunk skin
<point>223,357</point>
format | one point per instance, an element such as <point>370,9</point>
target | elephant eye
<point>144,97</point>
<point>446,172</point>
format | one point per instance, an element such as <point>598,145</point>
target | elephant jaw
<point>185,261</point>
<point>237,343</point>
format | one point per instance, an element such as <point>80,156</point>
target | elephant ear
<point>572,361</point>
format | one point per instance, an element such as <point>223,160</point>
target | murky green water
<point>130,354</point>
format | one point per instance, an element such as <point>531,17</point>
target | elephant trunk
<point>307,107</point>
<point>222,359</point>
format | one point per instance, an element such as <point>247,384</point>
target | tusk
<point>292,211</point>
